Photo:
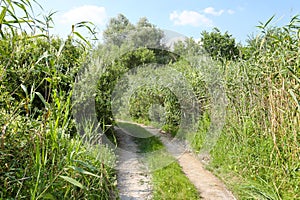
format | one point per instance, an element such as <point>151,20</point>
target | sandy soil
<point>134,181</point>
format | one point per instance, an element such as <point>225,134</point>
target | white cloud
<point>190,18</point>
<point>91,13</point>
<point>231,12</point>
<point>212,11</point>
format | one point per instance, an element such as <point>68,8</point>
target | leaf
<point>86,24</point>
<point>82,171</point>
<point>2,15</point>
<point>60,49</point>
<point>22,7</point>
<point>49,196</point>
<point>17,21</point>
<point>37,36</point>
<point>294,74</point>
<point>48,79</point>
<point>10,4</point>
<point>24,88</point>
<point>32,94</point>
<point>295,98</point>
<point>45,55</point>
<point>266,24</point>
<point>72,181</point>
<point>85,164</point>
<point>82,38</point>
<point>42,99</point>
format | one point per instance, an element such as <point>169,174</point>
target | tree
<point>117,29</point>
<point>219,46</point>
<point>188,47</point>
<point>121,32</point>
<point>146,34</point>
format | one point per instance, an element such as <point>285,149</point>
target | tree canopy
<point>120,31</point>
<point>219,46</point>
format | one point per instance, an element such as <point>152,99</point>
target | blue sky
<point>187,17</point>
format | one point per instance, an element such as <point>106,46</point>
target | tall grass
<point>260,141</point>
<point>41,155</point>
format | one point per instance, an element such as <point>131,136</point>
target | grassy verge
<point>169,182</point>
<point>39,160</point>
<point>258,151</point>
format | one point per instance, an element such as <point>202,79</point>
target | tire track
<point>134,181</point>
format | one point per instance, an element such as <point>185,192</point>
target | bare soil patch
<point>134,181</point>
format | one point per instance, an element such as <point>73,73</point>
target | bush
<point>41,154</point>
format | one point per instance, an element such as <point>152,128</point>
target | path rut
<point>134,181</point>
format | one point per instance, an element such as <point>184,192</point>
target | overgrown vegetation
<point>169,182</point>
<point>260,141</point>
<point>41,155</point>
<point>259,144</point>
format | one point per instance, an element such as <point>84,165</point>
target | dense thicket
<point>260,139</point>
<point>41,156</point>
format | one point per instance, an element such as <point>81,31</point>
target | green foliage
<point>39,65</point>
<point>112,71</point>
<point>10,21</point>
<point>188,47</point>
<point>260,140</point>
<point>120,31</point>
<point>196,140</point>
<point>41,155</point>
<point>109,78</point>
<point>36,152</point>
<point>116,30</point>
<point>123,50</point>
<point>145,97</point>
<point>220,46</point>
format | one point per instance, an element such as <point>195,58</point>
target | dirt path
<point>134,181</point>
<point>133,178</point>
<point>209,186</point>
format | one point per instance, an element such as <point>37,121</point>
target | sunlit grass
<point>169,182</point>
<point>260,139</point>
<point>41,154</point>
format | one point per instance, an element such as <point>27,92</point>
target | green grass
<point>42,155</point>
<point>40,160</point>
<point>258,151</point>
<point>169,182</point>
